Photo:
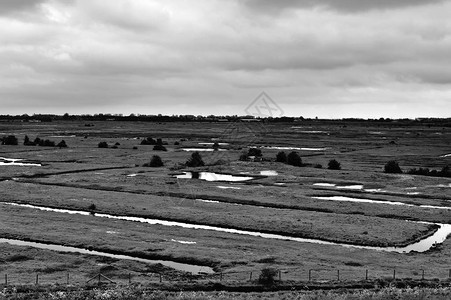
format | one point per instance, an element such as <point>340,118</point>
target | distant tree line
<point>394,168</point>
<point>12,140</point>
<point>443,122</point>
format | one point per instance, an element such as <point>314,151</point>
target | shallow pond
<point>210,176</point>
<point>362,200</point>
<point>16,162</point>
<point>175,265</point>
<point>202,149</point>
<point>438,237</point>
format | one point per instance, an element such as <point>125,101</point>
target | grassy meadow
<point>114,181</point>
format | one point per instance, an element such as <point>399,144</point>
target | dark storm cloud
<point>340,5</point>
<point>10,6</point>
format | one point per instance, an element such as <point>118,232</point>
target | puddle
<point>228,187</point>
<point>350,187</point>
<point>15,162</point>
<point>279,183</point>
<point>209,176</point>
<point>195,269</point>
<point>220,144</point>
<point>264,173</point>
<point>290,148</point>
<point>375,132</point>
<point>438,237</point>
<point>132,175</point>
<point>62,136</point>
<point>325,184</point>
<point>207,201</point>
<point>362,200</point>
<point>183,242</point>
<point>202,149</point>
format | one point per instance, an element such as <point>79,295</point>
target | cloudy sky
<point>325,58</point>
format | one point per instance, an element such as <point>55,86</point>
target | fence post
<point>394,274</point>
<point>449,273</point>
<point>6,279</point>
<point>280,275</point>
<point>366,274</point>
<point>161,278</point>
<point>250,276</point>
<point>67,278</point>
<point>220,277</point>
<point>99,279</point>
<point>338,275</point>
<point>309,274</point>
<point>129,278</point>
<point>422,274</point>
<point>37,279</point>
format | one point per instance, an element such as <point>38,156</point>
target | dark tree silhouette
<point>392,167</point>
<point>155,162</point>
<point>195,160</point>
<point>281,157</point>
<point>334,165</point>
<point>103,145</point>
<point>294,159</point>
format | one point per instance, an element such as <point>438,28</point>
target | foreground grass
<point>139,293</point>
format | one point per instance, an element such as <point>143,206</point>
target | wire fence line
<point>321,275</point>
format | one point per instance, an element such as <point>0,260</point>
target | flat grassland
<point>114,181</point>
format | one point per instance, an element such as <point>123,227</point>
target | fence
<point>313,275</point>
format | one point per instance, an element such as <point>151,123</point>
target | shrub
<point>254,152</point>
<point>392,167</point>
<point>294,159</point>
<point>281,157</point>
<point>267,276</point>
<point>155,162</point>
<point>62,144</point>
<point>195,160</point>
<point>159,148</point>
<point>333,165</point>
<point>216,146</point>
<point>10,140</point>
<point>27,142</point>
<point>148,141</point>
<point>103,145</point>
<point>244,157</point>
<point>92,207</point>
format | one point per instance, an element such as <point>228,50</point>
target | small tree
<point>267,276</point>
<point>281,157</point>
<point>392,167</point>
<point>103,145</point>
<point>216,146</point>
<point>294,159</point>
<point>155,162</point>
<point>334,165</point>
<point>195,160</point>
<point>254,152</point>
<point>159,147</point>
<point>62,144</point>
<point>10,140</point>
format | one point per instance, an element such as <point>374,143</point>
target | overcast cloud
<point>327,58</point>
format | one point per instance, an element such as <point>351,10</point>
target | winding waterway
<point>423,245</point>
<point>195,269</point>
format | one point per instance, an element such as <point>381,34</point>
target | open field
<point>114,182</point>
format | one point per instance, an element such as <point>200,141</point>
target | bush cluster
<point>444,172</point>
<point>44,143</point>
<point>292,158</point>
<point>151,141</point>
<point>9,140</point>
